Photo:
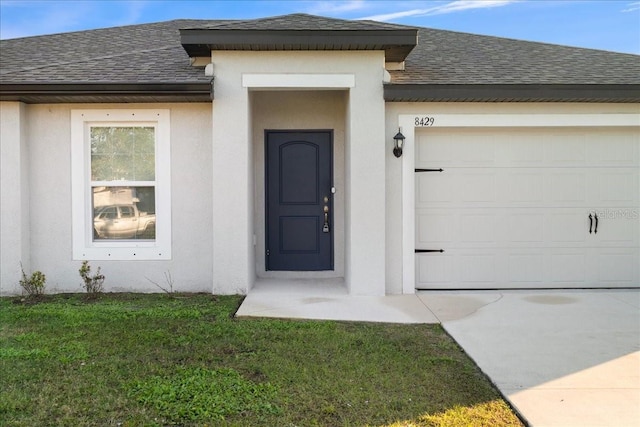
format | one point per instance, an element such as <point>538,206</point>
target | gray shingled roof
<point>447,57</point>
<point>115,64</point>
<point>302,22</point>
<point>149,53</point>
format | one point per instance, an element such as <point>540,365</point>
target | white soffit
<point>308,81</point>
<point>200,61</point>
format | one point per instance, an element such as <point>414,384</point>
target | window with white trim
<point>121,184</point>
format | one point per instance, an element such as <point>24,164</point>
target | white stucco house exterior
<point>232,152</point>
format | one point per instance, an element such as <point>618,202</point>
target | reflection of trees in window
<point>122,153</point>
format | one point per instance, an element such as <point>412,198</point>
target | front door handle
<point>590,223</point>
<point>325,226</point>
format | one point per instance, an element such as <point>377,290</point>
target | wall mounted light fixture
<point>398,143</point>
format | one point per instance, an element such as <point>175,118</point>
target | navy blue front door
<point>299,202</point>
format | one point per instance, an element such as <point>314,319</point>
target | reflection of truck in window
<point>123,222</point>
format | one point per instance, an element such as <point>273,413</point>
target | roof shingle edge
<point>99,92</point>
<point>621,93</point>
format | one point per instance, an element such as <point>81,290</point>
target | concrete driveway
<point>562,358</point>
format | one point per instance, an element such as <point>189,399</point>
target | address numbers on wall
<point>424,121</point>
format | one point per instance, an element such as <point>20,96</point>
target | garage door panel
<point>466,269</point>
<point>568,187</point>
<point>524,151</point>
<point>526,269</point>
<point>518,228</point>
<point>620,187</point>
<point>526,187</point>
<point>617,227</point>
<point>473,152</point>
<point>478,269</point>
<point>438,151</point>
<point>436,271</point>
<point>568,227</point>
<point>568,269</point>
<point>529,147</point>
<point>435,229</point>
<point>434,189</point>
<point>525,228</point>
<point>465,149</point>
<point>511,208</point>
<point>566,151</point>
<point>477,187</point>
<point>447,228</point>
<point>477,228</point>
<point>625,154</point>
<point>456,187</point>
<point>515,227</point>
<point>617,268</point>
<point>481,269</point>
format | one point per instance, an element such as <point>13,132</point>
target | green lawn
<point>153,360</point>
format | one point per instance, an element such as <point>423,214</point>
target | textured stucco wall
<point>35,208</point>
<point>14,196</point>
<point>49,158</point>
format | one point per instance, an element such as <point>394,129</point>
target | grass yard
<point>155,360</point>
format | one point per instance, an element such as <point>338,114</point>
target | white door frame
<point>408,124</point>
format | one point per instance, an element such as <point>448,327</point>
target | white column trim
<point>408,124</point>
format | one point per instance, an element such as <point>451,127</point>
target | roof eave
<point>397,44</point>
<point>37,93</point>
<point>202,92</point>
<point>614,93</point>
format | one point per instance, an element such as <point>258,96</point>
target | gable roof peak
<point>300,31</point>
<point>302,22</point>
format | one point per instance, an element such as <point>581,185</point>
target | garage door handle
<point>425,251</point>
<point>595,215</point>
<point>590,223</point>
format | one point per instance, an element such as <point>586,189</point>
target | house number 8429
<point>424,121</point>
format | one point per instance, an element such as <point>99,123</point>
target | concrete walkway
<point>327,299</point>
<point>562,358</point>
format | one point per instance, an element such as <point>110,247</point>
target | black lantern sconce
<point>398,143</point>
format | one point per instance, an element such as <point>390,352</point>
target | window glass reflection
<point>124,213</point>
<point>122,153</point>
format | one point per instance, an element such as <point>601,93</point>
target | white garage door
<point>517,208</point>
